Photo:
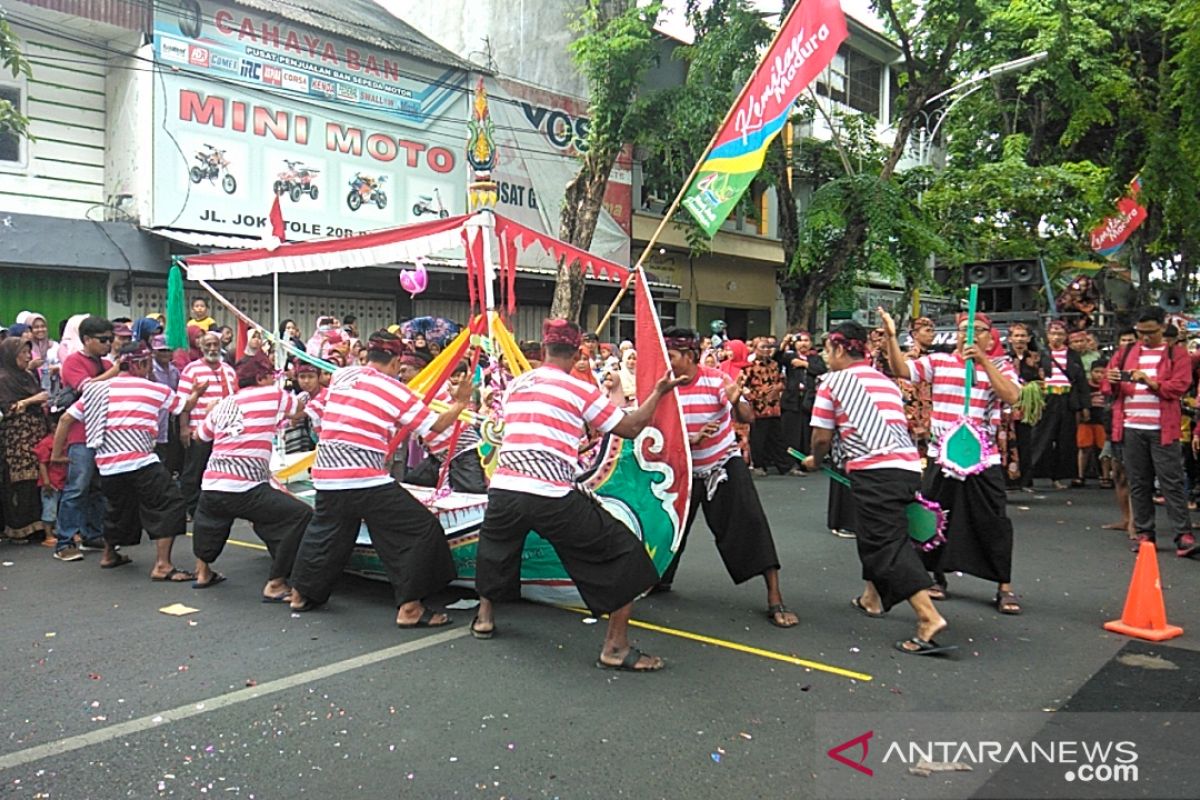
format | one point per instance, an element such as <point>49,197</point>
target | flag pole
<point>670,212</point>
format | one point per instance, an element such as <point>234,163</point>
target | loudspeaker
<point>1004,285</point>
<point>1002,273</point>
<point>1172,301</point>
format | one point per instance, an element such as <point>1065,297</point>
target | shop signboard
<point>351,138</point>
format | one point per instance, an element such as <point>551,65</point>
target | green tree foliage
<point>613,49</point>
<point>13,62</point>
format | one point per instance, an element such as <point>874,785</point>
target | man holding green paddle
<point>859,415</point>
<point>967,384</point>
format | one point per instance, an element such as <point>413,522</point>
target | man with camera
<point>1148,379</point>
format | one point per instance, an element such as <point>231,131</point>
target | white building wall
<point>128,166</point>
<point>63,174</point>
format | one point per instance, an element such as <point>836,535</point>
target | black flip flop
<point>924,647</point>
<point>170,576</point>
<point>213,581</point>
<point>478,634</point>
<point>277,598</point>
<point>629,663</point>
<point>857,603</point>
<point>426,620</point>
<point>120,562</point>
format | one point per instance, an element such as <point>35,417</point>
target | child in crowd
<point>52,478</point>
<point>1089,434</point>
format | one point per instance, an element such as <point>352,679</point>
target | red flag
<point>670,454</point>
<point>276,217</point>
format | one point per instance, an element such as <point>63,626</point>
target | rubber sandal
<point>170,576</point>
<point>629,663</point>
<point>923,647</point>
<point>213,581</point>
<point>478,634</point>
<point>939,592</point>
<point>306,607</point>
<point>425,620</point>
<point>277,598</point>
<point>1006,603</point>
<point>857,603</point>
<point>120,562</point>
<point>779,608</point>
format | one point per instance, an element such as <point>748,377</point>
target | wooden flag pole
<point>670,212</point>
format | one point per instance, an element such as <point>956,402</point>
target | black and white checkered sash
<point>873,433</point>
<point>337,455</point>
<point>537,464</point>
<point>95,413</point>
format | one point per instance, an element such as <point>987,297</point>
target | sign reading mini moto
<point>1004,755</point>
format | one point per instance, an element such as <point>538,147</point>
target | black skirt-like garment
<point>841,515</point>
<point>888,557</point>
<point>979,534</point>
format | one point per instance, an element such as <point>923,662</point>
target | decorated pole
<point>482,194</point>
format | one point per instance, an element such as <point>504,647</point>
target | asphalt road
<point>105,697</point>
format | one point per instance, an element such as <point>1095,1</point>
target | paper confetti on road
<point>178,610</point>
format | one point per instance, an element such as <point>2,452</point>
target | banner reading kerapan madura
<point>804,46</point>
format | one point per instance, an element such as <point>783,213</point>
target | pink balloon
<point>414,281</point>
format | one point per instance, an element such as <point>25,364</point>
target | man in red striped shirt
<point>365,411</point>
<point>120,419</point>
<point>533,488</point>
<point>1148,380</point>
<point>864,410</point>
<point>721,481</point>
<point>221,382</point>
<point>979,533</point>
<point>236,484</point>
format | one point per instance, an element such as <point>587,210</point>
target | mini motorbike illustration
<point>430,204</point>
<point>297,180</point>
<point>365,189</point>
<point>212,163</point>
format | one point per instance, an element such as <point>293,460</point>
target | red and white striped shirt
<point>1058,375</point>
<point>1142,408</point>
<point>870,424</point>
<point>242,430</point>
<point>364,410</point>
<point>544,415</point>
<point>702,401</point>
<point>439,443</point>
<point>222,383</point>
<point>947,375</point>
<point>130,409</point>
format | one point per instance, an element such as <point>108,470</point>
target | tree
<point>11,59</point>
<point>615,47</point>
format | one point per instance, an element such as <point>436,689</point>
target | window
<point>853,79</point>
<point>11,145</point>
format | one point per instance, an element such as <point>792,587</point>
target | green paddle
<point>963,450</point>
<point>837,476</point>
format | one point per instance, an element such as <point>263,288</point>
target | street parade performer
<point>979,533</point>
<point>365,409</point>
<point>534,488</point>
<point>859,413</point>
<point>236,482</point>
<point>721,481</point>
<point>120,418</point>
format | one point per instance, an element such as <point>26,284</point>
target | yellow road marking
<point>695,637</point>
<point>741,648</point>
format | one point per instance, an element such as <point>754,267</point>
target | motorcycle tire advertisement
<point>350,140</point>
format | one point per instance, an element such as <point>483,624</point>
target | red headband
<point>560,331</point>
<point>394,346</point>
<point>981,320</point>
<point>682,343</point>
<point>1056,325</point>
<point>253,369</point>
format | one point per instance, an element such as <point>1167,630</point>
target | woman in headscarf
<point>70,341</point>
<point>41,341</point>
<point>629,376</point>
<point>145,329</point>
<point>184,357</point>
<point>289,332</point>
<point>23,426</point>
<point>738,359</point>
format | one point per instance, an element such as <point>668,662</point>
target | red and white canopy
<point>391,246</point>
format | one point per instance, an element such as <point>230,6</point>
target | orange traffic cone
<point>1145,615</point>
